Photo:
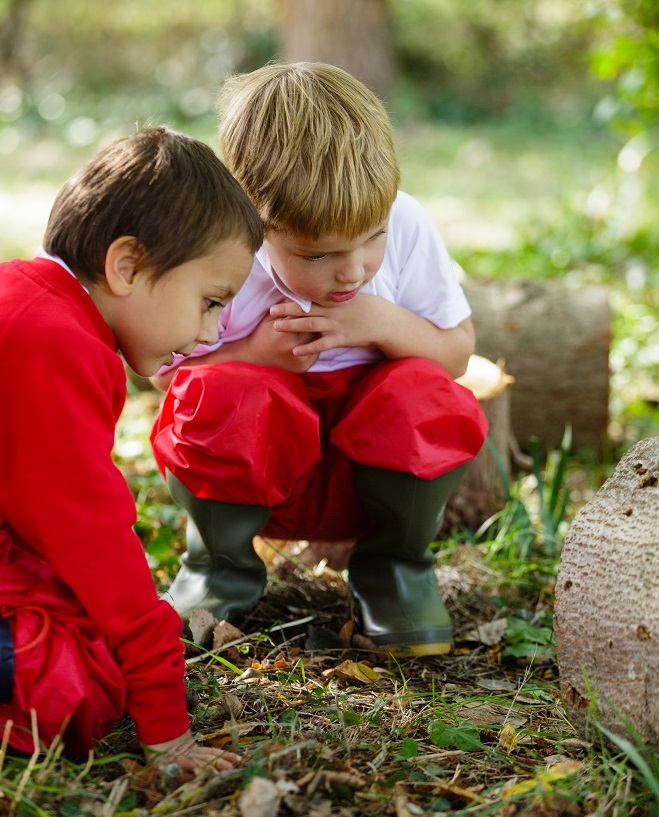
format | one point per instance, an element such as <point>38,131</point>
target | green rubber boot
<point>391,572</point>
<point>220,571</point>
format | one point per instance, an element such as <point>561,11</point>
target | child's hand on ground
<point>185,752</point>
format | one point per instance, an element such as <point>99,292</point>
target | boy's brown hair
<point>167,190</point>
<point>312,147</point>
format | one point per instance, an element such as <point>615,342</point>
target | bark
<point>11,30</point>
<point>352,35</point>
<point>607,602</point>
<point>555,342</point>
<point>482,492</point>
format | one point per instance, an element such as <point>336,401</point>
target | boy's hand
<point>359,322</point>
<point>268,347</point>
<point>191,756</point>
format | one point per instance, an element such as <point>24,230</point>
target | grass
<point>327,727</point>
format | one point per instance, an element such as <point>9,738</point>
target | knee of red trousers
<point>410,415</point>
<point>236,432</point>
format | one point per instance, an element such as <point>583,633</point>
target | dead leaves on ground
<point>327,726</point>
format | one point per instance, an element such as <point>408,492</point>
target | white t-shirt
<point>416,273</point>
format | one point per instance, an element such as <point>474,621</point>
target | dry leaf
<point>260,799</point>
<point>508,738</point>
<point>225,633</point>
<point>201,625</point>
<point>250,676</point>
<point>484,714</point>
<point>496,685</point>
<point>346,632</point>
<point>490,633</point>
<point>355,671</point>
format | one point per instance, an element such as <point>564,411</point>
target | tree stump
<point>482,492</point>
<point>607,601</point>
<point>555,341</point>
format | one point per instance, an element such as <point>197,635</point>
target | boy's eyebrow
<point>222,292</point>
<point>320,251</point>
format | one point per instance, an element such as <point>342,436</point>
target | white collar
<point>41,253</point>
<point>263,259</point>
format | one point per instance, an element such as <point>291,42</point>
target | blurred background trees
<point>432,58</point>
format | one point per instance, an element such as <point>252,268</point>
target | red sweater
<point>62,389</point>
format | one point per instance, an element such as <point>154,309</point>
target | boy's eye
<point>211,304</point>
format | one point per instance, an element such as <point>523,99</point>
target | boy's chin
<point>145,368</point>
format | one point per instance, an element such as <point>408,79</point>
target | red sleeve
<point>63,388</point>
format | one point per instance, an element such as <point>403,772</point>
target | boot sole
<point>410,650</point>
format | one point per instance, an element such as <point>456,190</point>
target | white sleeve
<point>425,279</point>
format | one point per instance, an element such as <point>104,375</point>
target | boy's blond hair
<point>311,146</point>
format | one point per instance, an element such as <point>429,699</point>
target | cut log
<point>607,602</point>
<point>555,341</point>
<point>482,492</point>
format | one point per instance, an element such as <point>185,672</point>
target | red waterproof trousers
<point>63,669</point>
<point>258,435</point>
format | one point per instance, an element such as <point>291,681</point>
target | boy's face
<point>181,309</point>
<point>329,270</point>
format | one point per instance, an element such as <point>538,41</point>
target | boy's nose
<point>209,330</point>
<point>351,272</point>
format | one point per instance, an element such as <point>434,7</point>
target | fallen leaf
<point>490,633</point>
<point>201,625</point>
<point>362,642</point>
<point>496,684</point>
<point>259,799</point>
<point>486,714</point>
<point>508,738</point>
<point>225,633</point>
<point>250,676</point>
<point>404,808</point>
<point>544,779</point>
<point>347,631</point>
<point>354,670</point>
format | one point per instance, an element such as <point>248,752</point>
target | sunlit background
<point>527,127</point>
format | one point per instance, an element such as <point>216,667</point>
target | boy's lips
<point>340,297</point>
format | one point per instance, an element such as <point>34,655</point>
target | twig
<point>198,658</point>
<point>52,756</point>
<point>115,797</point>
<point>5,740</point>
<point>22,785</point>
<point>527,675</point>
<point>87,766</point>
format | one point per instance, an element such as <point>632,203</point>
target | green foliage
<point>462,736</point>
<point>642,756</point>
<point>536,511</point>
<point>460,62</point>
<point>551,491</point>
<point>527,640</point>
<point>627,52</point>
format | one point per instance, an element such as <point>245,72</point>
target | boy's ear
<point>121,261</point>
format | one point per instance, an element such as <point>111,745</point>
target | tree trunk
<point>352,35</point>
<point>606,619</point>
<point>555,342</point>
<point>11,29</point>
